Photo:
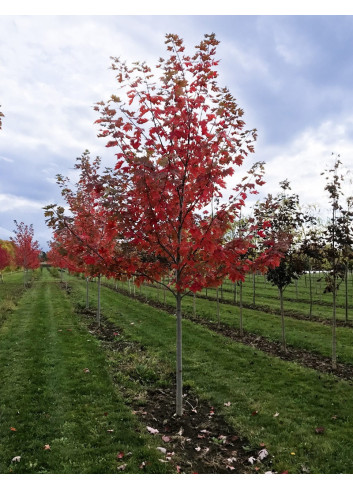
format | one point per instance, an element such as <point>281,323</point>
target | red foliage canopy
<point>26,249</point>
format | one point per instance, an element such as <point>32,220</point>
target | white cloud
<point>9,203</point>
<point>306,157</point>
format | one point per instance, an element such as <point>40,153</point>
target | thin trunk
<point>164,295</point>
<point>310,292</point>
<point>334,364</point>
<point>346,291</point>
<point>253,287</point>
<point>206,291</point>
<point>296,289</point>
<point>194,305</point>
<point>179,363</point>
<point>218,311</point>
<point>284,346</point>
<point>61,274</point>
<point>235,293</point>
<point>87,301</point>
<point>129,286</point>
<point>334,360</point>
<point>222,292</point>
<point>134,286</point>
<point>241,308</point>
<point>99,302</point>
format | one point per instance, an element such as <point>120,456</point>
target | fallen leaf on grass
<point>262,454</point>
<point>120,455</point>
<point>16,459</point>
<point>254,413</point>
<point>320,430</point>
<point>86,370</point>
<point>121,467</point>
<point>230,467</point>
<point>292,453</point>
<point>110,431</point>
<point>166,439</point>
<point>197,449</point>
<point>276,415</point>
<point>153,431</point>
<point>46,447</point>
<point>227,404</point>
<point>251,460</point>
<point>13,429</point>
<point>162,449</point>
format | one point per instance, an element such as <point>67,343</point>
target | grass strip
<point>303,417</point>
<point>59,410</point>
<point>307,335</point>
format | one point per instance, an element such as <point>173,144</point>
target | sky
<point>292,75</point>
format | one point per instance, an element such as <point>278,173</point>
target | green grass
<point>46,395</point>
<point>309,335</point>
<point>224,371</point>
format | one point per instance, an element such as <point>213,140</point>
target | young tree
<point>177,141</point>
<point>286,218</point>
<point>4,261</point>
<point>26,248</point>
<point>338,235</point>
<point>88,232</point>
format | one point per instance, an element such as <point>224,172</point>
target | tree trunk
<point>179,363</point>
<point>241,308</point>
<point>284,346</point>
<point>253,287</point>
<point>87,301</point>
<point>235,293</point>
<point>218,311</point>
<point>310,292</point>
<point>346,291</point>
<point>99,302</point>
<point>194,305</point>
<point>334,360</point>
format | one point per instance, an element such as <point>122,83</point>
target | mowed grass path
<point>272,401</point>
<point>47,399</point>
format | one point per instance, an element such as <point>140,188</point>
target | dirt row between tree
<point>303,357</point>
<point>201,441</point>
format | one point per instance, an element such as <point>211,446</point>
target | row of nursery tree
<point>164,214</point>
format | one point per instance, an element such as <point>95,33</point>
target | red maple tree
<point>5,261</point>
<point>27,250</point>
<point>179,137</point>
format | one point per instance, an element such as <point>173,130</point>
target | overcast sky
<point>292,75</point>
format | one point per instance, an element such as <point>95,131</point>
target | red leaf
<point>120,455</point>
